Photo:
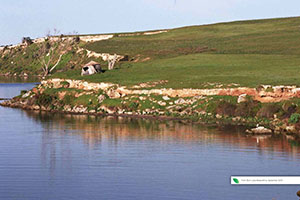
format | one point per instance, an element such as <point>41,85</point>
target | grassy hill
<point>271,36</point>
<point>248,53</point>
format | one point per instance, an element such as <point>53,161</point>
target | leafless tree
<point>54,32</point>
<point>73,32</point>
<point>51,52</point>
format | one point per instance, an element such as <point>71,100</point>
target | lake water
<point>55,156</point>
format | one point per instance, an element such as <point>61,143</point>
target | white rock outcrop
<point>259,130</point>
<point>242,98</point>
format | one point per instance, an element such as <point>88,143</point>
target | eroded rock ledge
<point>240,105</point>
<point>265,93</point>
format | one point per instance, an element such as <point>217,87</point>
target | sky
<point>35,18</point>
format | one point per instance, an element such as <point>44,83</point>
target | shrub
<point>268,110</point>
<point>48,46</point>
<point>65,84</point>
<point>288,110</point>
<point>44,100</point>
<point>27,40</point>
<point>226,108</point>
<point>23,92</point>
<point>248,108</point>
<point>77,39</point>
<point>294,118</point>
<point>68,99</point>
<point>133,105</point>
<point>269,89</point>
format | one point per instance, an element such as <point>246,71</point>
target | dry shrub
<point>31,101</point>
<point>225,108</point>
<point>297,126</point>
<point>288,111</point>
<point>248,108</point>
<point>268,110</point>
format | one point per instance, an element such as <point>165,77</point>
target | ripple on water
<point>54,156</point>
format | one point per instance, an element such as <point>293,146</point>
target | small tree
<point>77,39</point>
<point>51,52</point>
<point>27,41</point>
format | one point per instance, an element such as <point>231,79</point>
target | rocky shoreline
<point>272,110</point>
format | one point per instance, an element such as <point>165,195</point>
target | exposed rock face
<point>76,84</point>
<point>27,94</point>
<point>62,95</point>
<point>104,56</point>
<point>160,102</point>
<point>84,38</point>
<point>242,98</point>
<point>277,94</point>
<point>142,98</point>
<point>101,98</point>
<point>113,94</point>
<point>95,38</point>
<point>179,101</point>
<point>260,130</point>
<point>108,110</point>
<point>79,109</point>
<point>154,32</point>
<point>149,84</point>
<point>35,91</point>
<point>166,98</point>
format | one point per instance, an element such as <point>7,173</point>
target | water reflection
<point>95,130</point>
<point>18,79</point>
<point>55,156</point>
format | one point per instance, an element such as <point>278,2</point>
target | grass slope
<point>194,71</point>
<point>271,36</point>
<point>248,53</point>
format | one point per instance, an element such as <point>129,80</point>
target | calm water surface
<point>47,156</point>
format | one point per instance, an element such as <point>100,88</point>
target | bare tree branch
<point>51,52</point>
<point>56,63</point>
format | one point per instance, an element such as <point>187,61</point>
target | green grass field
<point>195,70</point>
<point>271,36</point>
<point>248,53</point>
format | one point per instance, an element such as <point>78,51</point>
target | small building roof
<point>92,63</point>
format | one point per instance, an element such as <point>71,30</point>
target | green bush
<point>68,99</point>
<point>133,105</point>
<point>23,92</point>
<point>294,118</point>
<point>44,100</point>
<point>65,84</point>
<point>269,89</point>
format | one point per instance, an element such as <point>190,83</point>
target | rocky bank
<point>275,107</point>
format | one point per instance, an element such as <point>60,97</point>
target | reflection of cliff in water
<point>94,130</point>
